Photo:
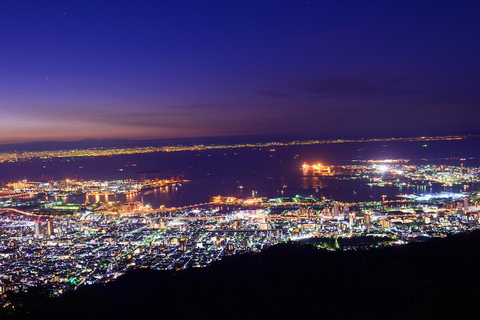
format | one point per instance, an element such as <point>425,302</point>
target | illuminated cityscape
<point>398,173</point>
<point>96,152</point>
<point>239,160</point>
<point>47,239</point>
<point>82,187</point>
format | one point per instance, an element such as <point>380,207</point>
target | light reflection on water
<point>265,173</point>
<point>307,186</point>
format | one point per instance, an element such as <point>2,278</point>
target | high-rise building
<point>466,205</point>
<point>161,223</point>
<point>336,210</point>
<point>38,228</point>
<point>367,218</point>
<point>351,219</point>
<point>346,212</point>
<point>183,244</point>
<point>460,209</point>
<point>49,230</point>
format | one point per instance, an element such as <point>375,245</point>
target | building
<point>336,210</point>
<point>367,222</point>
<point>386,223</point>
<point>466,205</point>
<point>351,219</point>
<point>346,212</point>
<point>38,228</point>
<point>49,229</point>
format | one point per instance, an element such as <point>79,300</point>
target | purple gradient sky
<point>163,69</point>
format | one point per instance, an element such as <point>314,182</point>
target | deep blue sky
<point>162,69</point>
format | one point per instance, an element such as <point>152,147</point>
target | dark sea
<point>262,171</point>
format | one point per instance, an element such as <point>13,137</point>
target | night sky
<point>163,69</point>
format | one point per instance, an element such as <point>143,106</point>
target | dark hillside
<point>434,279</point>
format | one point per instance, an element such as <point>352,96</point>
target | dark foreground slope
<point>435,279</point>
